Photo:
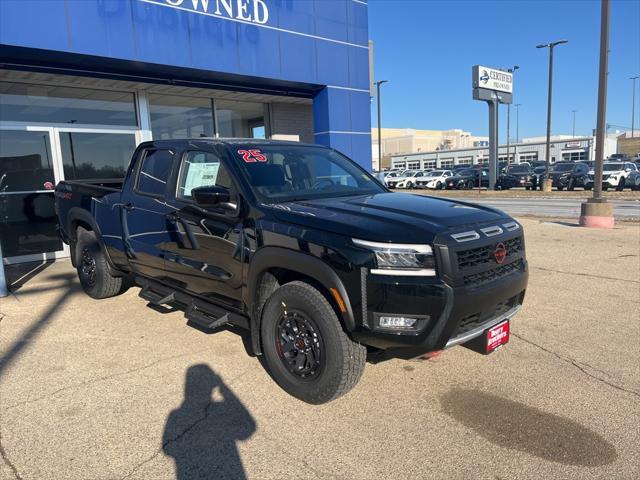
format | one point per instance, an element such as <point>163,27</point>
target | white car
<point>436,179</point>
<point>411,180</point>
<point>618,175</point>
<point>402,180</point>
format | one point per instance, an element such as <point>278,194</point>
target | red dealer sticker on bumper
<point>497,336</point>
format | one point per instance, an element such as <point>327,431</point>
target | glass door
<point>28,175</point>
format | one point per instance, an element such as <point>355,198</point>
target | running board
<point>200,313</point>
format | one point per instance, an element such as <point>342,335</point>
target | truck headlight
<point>401,258</point>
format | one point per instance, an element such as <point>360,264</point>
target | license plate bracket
<point>496,336</point>
<point>491,339</point>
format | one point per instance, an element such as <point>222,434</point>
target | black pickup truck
<point>305,249</point>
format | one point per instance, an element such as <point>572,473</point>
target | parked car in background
<point>569,175</point>
<point>409,180</point>
<point>436,179</point>
<point>521,172</point>
<point>618,175</point>
<point>392,177</point>
<point>467,179</point>
<point>505,181</point>
<point>536,178</point>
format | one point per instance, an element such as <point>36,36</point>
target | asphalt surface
<point>113,389</point>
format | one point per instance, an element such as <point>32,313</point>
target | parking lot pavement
<point>113,389</point>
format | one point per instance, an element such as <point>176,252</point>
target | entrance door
<point>28,175</point>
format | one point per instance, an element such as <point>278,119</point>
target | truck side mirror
<point>213,196</point>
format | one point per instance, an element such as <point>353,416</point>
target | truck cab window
<point>154,172</point>
<point>199,169</point>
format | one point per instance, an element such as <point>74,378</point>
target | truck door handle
<point>128,206</point>
<point>175,218</point>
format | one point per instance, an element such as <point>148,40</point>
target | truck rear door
<point>144,211</point>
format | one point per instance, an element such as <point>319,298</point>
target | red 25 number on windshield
<point>252,156</point>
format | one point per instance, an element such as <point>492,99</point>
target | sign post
<point>494,87</point>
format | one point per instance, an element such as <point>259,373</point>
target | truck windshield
<point>283,173</point>
<point>519,169</point>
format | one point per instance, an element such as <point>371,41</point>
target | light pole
<point>517,105</point>
<point>515,149</point>
<point>551,46</point>
<point>377,84</point>
<point>574,123</point>
<point>510,70</point>
<point>633,103</point>
<point>597,212</point>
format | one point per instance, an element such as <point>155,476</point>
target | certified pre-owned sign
<point>492,79</point>
<point>253,11</point>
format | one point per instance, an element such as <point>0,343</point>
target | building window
<point>175,117</point>
<point>96,155</point>
<point>575,156</point>
<point>446,163</point>
<point>413,165</point>
<point>528,156</point>
<point>465,161</point>
<point>21,102</point>
<point>240,119</point>
<point>429,164</point>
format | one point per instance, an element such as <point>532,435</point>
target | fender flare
<point>303,263</point>
<point>75,214</point>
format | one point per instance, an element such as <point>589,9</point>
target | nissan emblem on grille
<point>500,253</point>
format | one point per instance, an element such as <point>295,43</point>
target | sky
<point>426,48</point>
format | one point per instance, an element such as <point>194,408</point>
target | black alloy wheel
<point>299,345</point>
<point>88,267</point>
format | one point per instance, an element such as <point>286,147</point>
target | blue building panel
<point>41,24</point>
<point>312,44</point>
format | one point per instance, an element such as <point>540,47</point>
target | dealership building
<point>82,83</point>
<point>562,148</point>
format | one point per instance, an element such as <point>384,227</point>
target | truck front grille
<point>483,255</point>
<point>492,274</point>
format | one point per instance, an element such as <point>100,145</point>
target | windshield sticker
<point>252,156</point>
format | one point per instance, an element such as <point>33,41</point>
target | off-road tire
<point>344,359</point>
<point>572,185</point>
<point>100,284</point>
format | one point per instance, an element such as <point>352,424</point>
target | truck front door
<point>205,251</point>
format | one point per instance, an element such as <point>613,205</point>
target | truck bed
<point>95,188</point>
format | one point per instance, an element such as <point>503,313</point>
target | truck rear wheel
<point>306,350</point>
<point>93,269</point>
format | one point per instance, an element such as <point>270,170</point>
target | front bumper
<point>455,312</point>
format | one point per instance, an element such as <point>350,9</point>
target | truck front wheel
<point>306,350</point>
<point>93,269</point>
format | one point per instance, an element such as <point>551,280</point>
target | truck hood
<point>386,217</point>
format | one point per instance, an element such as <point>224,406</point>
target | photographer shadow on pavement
<point>201,434</point>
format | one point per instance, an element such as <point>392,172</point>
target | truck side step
<point>205,319</point>
<point>156,297</point>
<point>198,312</point>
